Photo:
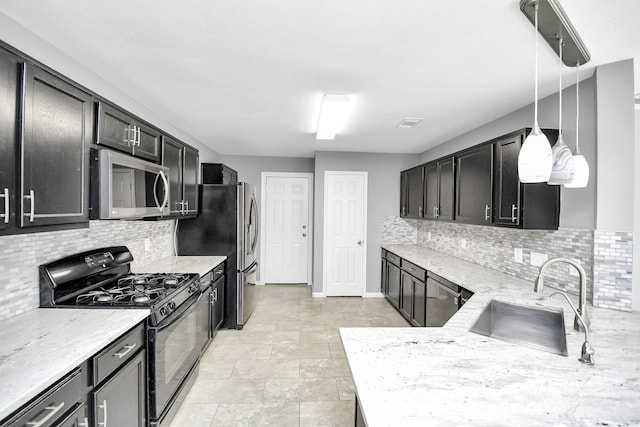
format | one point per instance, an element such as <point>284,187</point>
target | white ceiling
<point>246,76</point>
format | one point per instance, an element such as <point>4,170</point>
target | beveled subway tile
<point>270,368</point>
<point>339,413</point>
<point>231,390</point>
<point>300,351</point>
<point>277,414</point>
<point>300,389</point>
<point>326,368</point>
<point>194,415</point>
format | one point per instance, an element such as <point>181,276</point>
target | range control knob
<point>193,289</point>
<point>164,311</point>
<point>171,305</point>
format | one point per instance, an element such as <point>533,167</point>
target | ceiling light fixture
<point>580,164</point>
<point>333,114</point>
<point>562,170</point>
<point>535,160</point>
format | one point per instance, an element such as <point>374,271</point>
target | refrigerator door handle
<point>255,222</point>
<point>251,269</point>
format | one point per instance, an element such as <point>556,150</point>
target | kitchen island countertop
<point>450,376</point>
<point>39,347</point>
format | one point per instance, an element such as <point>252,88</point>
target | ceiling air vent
<point>408,123</point>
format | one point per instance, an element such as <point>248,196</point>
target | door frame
<point>325,227</point>
<point>263,205</point>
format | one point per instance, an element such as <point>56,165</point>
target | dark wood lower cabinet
<point>406,295</point>
<point>121,400</point>
<point>359,418</point>
<point>393,275</point>
<point>419,303</point>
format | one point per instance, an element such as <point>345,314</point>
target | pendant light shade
<point>535,159</point>
<point>562,169</point>
<point>580,164</point>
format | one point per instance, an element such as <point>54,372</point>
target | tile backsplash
<point>20,255</point>
<point>606,257</point>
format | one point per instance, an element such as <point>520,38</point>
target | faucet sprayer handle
<point>588,352</point>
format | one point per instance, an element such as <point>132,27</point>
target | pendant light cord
<point>535,113</point>
<point>560,89</point>
<point>577,105</point>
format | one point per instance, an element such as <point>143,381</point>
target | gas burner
<point>140,298</point>
<point>170,281</point>
<point>98,296</point>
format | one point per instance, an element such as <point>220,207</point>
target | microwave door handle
<point>166,190</point>
<point>155,191</point>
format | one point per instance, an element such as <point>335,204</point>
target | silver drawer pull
<point>127,350</point>
<point>104,409</point>
<point>5,195</point>
<point>53,410</point>
<point>32,211</point>
<point>514,209</point>
<point>487,214</point>
<point>219,271</point>
<point>84,423</point>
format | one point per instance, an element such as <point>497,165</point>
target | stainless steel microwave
<point>128,187</point>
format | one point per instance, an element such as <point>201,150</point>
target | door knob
<point>360,242</point>
<point>304,234</point>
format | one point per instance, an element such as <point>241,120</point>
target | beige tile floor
<point>286,367</point>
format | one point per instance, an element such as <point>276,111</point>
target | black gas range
<point>177,331</point>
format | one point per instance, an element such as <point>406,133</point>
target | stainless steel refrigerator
<point>227,224</point>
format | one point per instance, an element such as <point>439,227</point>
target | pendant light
<point>535,159</point>
<point>580,165</point>
<point>562,169</point>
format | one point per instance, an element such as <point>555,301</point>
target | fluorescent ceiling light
<point>333,114</point>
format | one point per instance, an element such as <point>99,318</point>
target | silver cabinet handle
<point>420,211</point>
<point>84,423</point>
<point>215,295</point>
<point>487,212</point>
<point>514,209</point>
<point>32,211</point>
<point>434,212</point>
<point>104,411</point>
<point>219,271</point>
<point>5,195</point>
<point>53,410</point>
<point>437,208</point>
<point>137,128</point>
<point>404,210</point>
<point>186,211</point>
<point>126,350</point>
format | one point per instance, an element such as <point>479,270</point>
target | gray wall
<point>29,43</point>
<point>615,180</point>
<point>383,199</point>
<point>578,205</point>
<point>250,170</point>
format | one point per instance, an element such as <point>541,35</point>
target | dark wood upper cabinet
<point>439,189</point>
<point>518,205</point>
<point>218,173</point>
<point>474,179</point>
<point>121,131</point>
<point>182,162</point>
<point>10,66</point>
<point>55,150</point>
<point>414,184</point>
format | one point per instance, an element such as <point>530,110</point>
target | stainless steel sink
<point>540,328</point>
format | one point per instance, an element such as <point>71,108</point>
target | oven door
<point>175,346</point>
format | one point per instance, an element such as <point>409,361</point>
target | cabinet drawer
<point>417,272</point>
<point>218,272</point>
<point>52,405</point>
<point>393,258</point>
<point>112,357</point>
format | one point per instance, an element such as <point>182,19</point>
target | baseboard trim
<point>319,295</point>
<point>373,295</point>
<point>259,283</point>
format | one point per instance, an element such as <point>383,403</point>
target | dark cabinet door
<point>78,418</point>
<point>56,135</point>
<point>217,314</point>
<point>384,280</point>
<point>446,188</point>
<point>190,180</point>
<point>114,128</point>
<point>474,178</point>
<point>506,199</point>
<point>10,66</point>
<point>415,192</point>
<point>406,295</point>
<point>121,401</point>
<point>119,130</point>
<point>403,194</point>
<point>419,303</point>
<point>431,190</point>
<point>393,274</point>
<point>172,158</point>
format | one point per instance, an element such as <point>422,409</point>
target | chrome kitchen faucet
<point>581,321</point>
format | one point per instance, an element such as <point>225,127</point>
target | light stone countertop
<point>181,264</point>
<point>41,346</point>
<point>450,376</point>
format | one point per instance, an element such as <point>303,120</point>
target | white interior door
<point>345,229</point>
<point>287,228</point>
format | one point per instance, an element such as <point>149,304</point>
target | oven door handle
<point>184,308</point>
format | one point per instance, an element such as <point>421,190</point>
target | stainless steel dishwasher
<point>444,299</point>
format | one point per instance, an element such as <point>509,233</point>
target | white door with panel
<point>287,228</point>
<point>345,225</point>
